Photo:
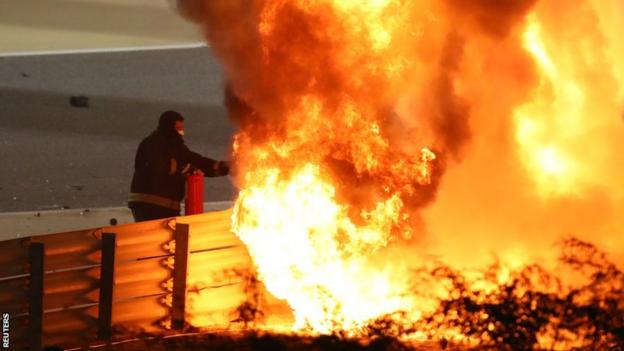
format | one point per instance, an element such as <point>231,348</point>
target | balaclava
<point>166,123</point>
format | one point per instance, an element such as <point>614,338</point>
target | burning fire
<point>376,132</point>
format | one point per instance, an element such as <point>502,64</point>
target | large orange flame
<point>327,190</point>
<point>356,109</point>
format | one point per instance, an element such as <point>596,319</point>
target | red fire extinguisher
<point>194,202</point>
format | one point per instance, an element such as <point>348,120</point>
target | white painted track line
<point>195,45</point>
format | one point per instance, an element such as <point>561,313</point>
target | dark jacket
<point>160,168</point>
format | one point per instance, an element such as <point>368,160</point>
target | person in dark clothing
<point>161,165</point>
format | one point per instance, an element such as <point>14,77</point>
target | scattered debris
<point>264,341</point>
<point>79,101</point>
<point>24,74</point>
<point>77,187</point>
<point>534,309</point>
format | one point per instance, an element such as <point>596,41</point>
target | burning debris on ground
<point>534,308</point>
<point>262,341</point>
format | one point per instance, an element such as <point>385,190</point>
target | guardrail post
<point>36,253</point>
<point>107,278</point>
<point>180,266</point>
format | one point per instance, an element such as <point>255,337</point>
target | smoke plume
<point>276,52</point>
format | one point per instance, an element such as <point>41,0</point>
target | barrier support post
<point>107,280</point>
<point>180,268</point>
<point>36,253</point>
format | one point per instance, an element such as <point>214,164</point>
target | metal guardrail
<point>77,288</point>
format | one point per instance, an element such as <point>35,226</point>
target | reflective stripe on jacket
<point>154,200</point>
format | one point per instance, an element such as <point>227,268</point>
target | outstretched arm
<point>210,167</point>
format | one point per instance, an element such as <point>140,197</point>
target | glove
<point>223,168</point>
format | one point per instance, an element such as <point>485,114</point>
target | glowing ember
<point>351,113</point>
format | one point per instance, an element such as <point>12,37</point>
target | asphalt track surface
<point>53,155</point>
